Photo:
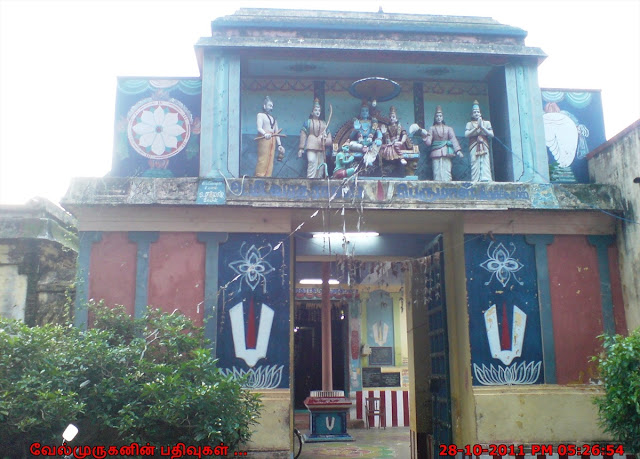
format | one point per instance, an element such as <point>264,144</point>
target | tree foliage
<point>124,380</point>
<point>619,408</point>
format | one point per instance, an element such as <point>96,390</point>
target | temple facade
<point>472,260</point>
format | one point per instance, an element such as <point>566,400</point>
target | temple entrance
<point>389,335</point>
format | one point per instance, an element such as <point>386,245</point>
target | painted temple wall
<point>113,263</point>
<point>177,275</point>
<point>533,383</point>
<point>374,311</point>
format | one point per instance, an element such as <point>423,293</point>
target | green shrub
<point>619,408</point>
<point>125,380</point>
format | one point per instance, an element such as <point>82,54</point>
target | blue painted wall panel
<point>574,125</point>
<point>254,270</point>
<point>501,284</point>
<point>157,143</point>
<point>380,323</point>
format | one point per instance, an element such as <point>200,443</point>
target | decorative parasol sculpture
<point>374,89</point>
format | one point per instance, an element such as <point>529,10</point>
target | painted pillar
<point>541,241</point>
<point>144,240</point>
<point>86,240</point>
<point>602,243</point>
<point>355,341</point>
<point>327,375</point>
<point>212,241</point>
<point>526,128</point>
<point>220,137</point>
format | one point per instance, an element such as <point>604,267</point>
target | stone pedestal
<point>328,416</point>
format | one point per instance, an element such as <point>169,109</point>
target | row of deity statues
<point>373,138</point>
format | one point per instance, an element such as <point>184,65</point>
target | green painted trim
<point>212,241</point>
<point>143,239</point>
<point>540,242</point>
<point>231,164</point>
<point>220,118</point>
<point>86,241</point>
<point>526,134</point>
<point>536,124</point>
<point>513,125</point>
<point>602,243</point>
<point>206,114</point>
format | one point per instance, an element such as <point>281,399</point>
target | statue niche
<point>379,144</point>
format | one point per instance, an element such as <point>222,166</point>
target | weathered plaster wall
<point>577,307</point>
<point>617,162</point>
<point>38,248</point>
<point>537,414</point>
<point>13,286</point>
<point>272,435</point>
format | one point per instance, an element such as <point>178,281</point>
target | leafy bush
<point>125,380</point>
<point>619,408</point>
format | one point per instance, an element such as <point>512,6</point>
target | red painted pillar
<point>327,376</point>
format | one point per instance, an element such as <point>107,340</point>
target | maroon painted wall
<point>577,307</point>
<point>113,270</point>
<point>176,274</point>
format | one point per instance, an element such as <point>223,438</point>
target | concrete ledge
<point>367,194</point>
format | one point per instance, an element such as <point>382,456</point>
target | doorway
<point>401,276</point>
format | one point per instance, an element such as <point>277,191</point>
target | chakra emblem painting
<point>159,129</point>
<point>253,267</point>
<point>501,264</point>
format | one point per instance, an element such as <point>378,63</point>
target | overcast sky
<point>59,61</point>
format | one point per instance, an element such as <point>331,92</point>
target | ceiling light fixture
<point>317,282</point>
<point>363,234</point>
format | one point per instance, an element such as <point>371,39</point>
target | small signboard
<point>211,192</point>
<point>371,377</point>
<point>390,379</point>
<point>381,356</point>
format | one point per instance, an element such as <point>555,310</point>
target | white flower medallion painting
<point>159,129</point>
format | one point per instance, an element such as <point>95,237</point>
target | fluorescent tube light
<point>347,235</point>
<point>317,281</point>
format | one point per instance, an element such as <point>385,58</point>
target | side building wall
<point>617,162</point>
<point>38,249</point>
